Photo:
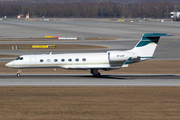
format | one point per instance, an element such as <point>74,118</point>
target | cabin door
<point>33,61</point>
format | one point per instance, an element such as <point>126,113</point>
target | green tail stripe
<point>128,61</point>
<point>146,57</point>
<point>148,38</point>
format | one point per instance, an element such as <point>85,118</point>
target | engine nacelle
<point>120,55</point>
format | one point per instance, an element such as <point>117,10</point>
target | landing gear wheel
<point>97,75</point>
<point>18,74</point>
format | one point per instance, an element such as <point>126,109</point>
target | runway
<point>89,80</point>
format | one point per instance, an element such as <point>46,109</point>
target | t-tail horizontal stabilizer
<point>126,63</point>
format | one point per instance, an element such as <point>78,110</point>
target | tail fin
<point>146,46</point>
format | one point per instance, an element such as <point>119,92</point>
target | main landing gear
<point>95,73</point>
<point>18,73</point>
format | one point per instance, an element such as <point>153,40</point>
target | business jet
<point>109,60</point>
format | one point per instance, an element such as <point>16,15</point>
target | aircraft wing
<point>102,68</point>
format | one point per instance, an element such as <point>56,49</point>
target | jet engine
<point>114,56</point>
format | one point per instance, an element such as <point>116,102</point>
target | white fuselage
<point>73,60</point>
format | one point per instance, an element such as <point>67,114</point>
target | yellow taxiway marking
<point>24,51</point>
<point>168,42</point>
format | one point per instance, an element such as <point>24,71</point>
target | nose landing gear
<point>18,73</point>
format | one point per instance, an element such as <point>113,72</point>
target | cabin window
<point>84,59</point>
<point>70,60</point>
<point>55,60</point>
<point>76,59</point>
<point>62,60</point>
<point>48,60</point>
<point>41,60</point>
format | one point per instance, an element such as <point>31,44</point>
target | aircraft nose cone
<point>9,64</point>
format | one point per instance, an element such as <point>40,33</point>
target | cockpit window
<point>19,58</point>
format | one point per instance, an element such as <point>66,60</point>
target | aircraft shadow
<point>79,76</point>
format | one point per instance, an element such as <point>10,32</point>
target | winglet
<point>126,63</point>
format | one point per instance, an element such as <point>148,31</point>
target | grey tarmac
<point>89,80</point>
<point>126,33</point>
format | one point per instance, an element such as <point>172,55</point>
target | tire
<point>97,75</point>
<point>18,74</point>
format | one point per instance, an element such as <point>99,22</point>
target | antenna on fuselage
<point>50,53</point>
